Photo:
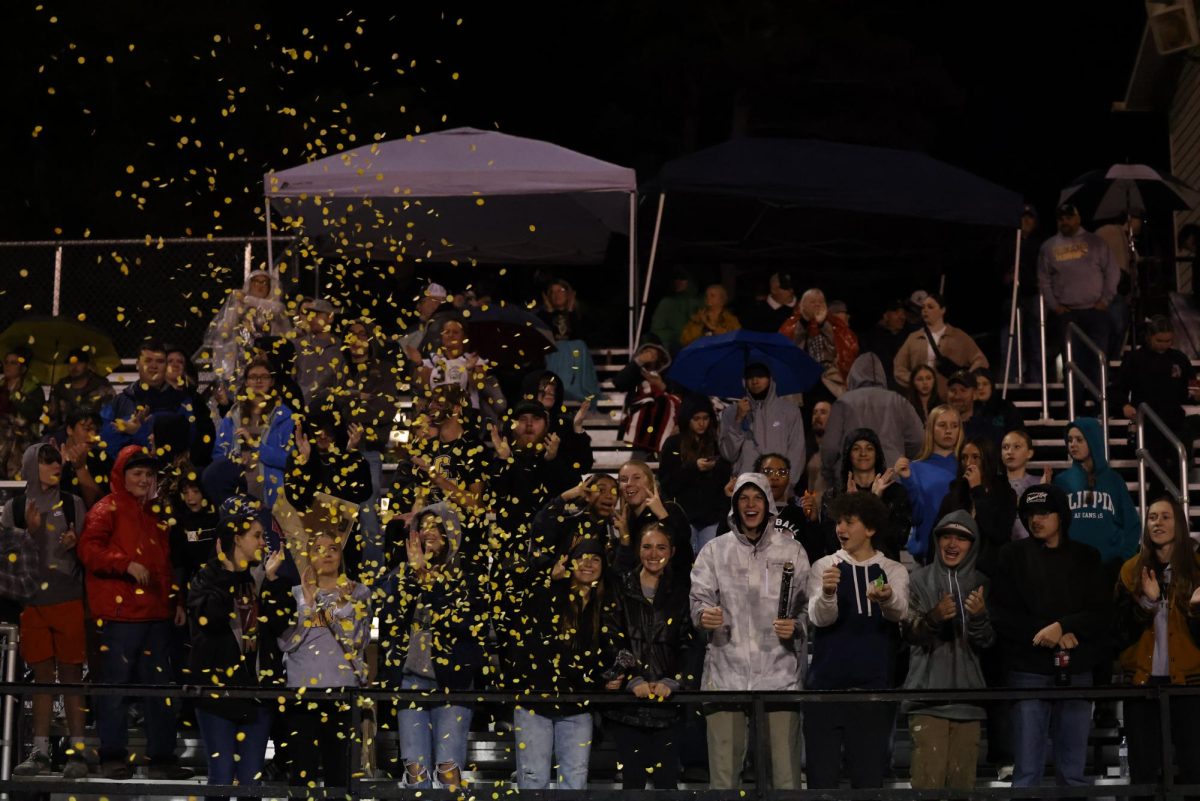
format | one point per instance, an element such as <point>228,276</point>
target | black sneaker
<point>35,765</point>
<point>169,771</point>
<point>117,771</point>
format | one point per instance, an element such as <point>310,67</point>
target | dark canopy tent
<point>816,202</point>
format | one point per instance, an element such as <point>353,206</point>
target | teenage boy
<point>857,597</point>
<point>736,586</point>
<point>52,628</point>
<point>126,555</point>
<point>947,629</point>
<point>1050,606</point>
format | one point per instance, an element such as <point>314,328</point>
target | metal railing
<point>756,704</point>
<point>1145,458</point>
<point>9,637</point>
<point>1074,372</point>
<point>1042,338</point>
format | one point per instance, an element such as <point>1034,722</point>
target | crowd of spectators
<point>245,534</point>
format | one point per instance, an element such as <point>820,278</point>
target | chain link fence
<point>133,288</point>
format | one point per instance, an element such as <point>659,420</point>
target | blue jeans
<point>135,653</point>
<point>540,738</point>
<point>432,737</point>
<point>229,757</point>
<point>1066,724</point>
<point>701,536</point>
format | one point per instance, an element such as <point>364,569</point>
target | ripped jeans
<point>432,737</point>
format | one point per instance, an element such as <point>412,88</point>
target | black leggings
<point>318,735</point>
<point>646,755</point>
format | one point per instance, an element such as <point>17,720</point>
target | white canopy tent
<point>461,196</point>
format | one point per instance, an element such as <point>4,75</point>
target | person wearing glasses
<point>257,432</point>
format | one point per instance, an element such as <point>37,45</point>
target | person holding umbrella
<point>20,410</point>
<point>761,422</point>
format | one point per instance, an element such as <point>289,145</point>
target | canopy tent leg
<point>1012,319</point>
<point>56,301</point>
<point>634,312</point>
<point>662,199</point>
<point>270,249</point>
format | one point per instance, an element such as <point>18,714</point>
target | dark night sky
<point>1019,93</point>
<point>200,99</point>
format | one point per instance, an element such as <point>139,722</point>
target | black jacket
<point>457,620</point>
<point>233,644</point>
<point>1158,379</point>
<point>575,448</point>
<point>700,493</point>
<point>1035,586</point>
<point>659,633</point>
<point>994,508</point>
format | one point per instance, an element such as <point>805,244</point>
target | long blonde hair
<point>935,414</point>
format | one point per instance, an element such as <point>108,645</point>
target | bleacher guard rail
<point>756,703</point>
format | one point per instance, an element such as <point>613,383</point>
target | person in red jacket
<point>125,553</point>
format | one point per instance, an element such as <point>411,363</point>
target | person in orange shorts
<point>52,634</point>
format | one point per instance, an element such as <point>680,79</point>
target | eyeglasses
<point>777,471</point>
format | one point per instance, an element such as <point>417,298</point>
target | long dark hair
<point>959,495</point>
<point>935,399</point>
<point>1185,575</point>
<point>692,447</point>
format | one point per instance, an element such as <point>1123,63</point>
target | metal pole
<point>1103,401</point>
<point>10,634</point>
<point>1141,455</point>
<point>1042,334</point>
<point>763,769</point>
<point>1012,317</point>
<point>54,306</point>
<point>662,199</point>
<point>1020,351</point>
<point>635,328</point>
<point>1069,375</point>
<point>270,249</point>
<point>248,262</point>
<point>1184,452</point>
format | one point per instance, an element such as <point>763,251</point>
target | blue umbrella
<point>715,365</point>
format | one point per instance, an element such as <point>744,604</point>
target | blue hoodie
<point>1102,515</point>
<point>927,486</point>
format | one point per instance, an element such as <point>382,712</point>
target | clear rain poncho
<point>243,318</point>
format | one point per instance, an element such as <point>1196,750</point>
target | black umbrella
<point>1124,188</point>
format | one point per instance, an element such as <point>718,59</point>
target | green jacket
<point>672,314</point>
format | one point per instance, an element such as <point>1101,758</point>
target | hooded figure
<point>891,540</point>
<point>122,529</point>
<point>650,408</point>
<point>434,628</point>
<point>1102,513</point>
<point>773,425</point>
<point>944,655</point>
<point>59,574</point>
<point>244,316</point>
<point>742,577</point>
<point>575,447</point>
<point>868,403</point>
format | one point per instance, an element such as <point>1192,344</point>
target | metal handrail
<point>1073,371</point>
<point>1042,335</point>
<point>1144,413</point>
<point>10,634</point>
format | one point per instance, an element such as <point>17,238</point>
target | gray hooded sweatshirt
<point>868,403</point>
<point>743,578</point>
<point>60,578</point>
<point>773,425</point>
<point>945,655</point>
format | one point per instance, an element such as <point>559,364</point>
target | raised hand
<point>559,570</point>
<point>416,552</point>
<point>303,446</point>
<point>743,408</point>
<point>68,540</point>
<point>712,618</point>
<point>831,578</point>
<point>945,610</point>
<point>1150,588</point>
<point>975,603</point>
<point>274,562</point>
<point>882,481</point>
<point>1047,474</point>
<point>354,433</point>
<point>808,504</point>
<point>553,441</point>
<point>581,415</point>
<point>654,504</point>
<point>503,449</point>
<point>973,475</point>
<point>903,467</point>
